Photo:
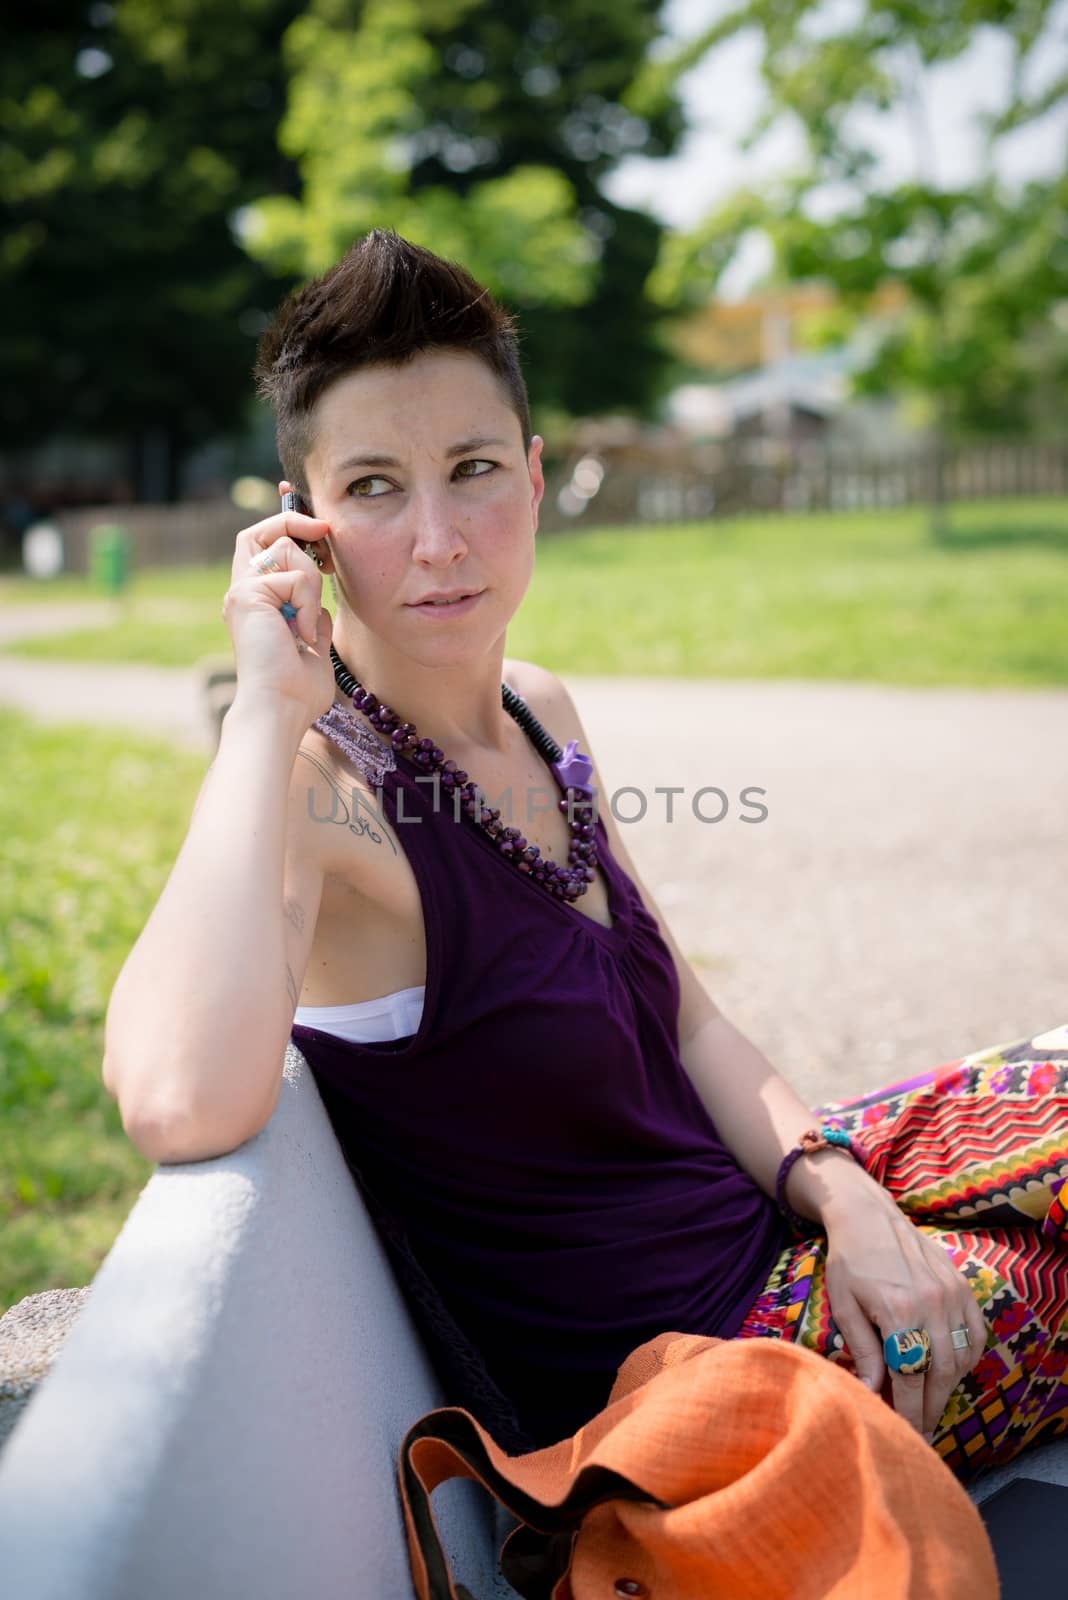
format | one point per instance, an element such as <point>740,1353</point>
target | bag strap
<point>449,1443</point>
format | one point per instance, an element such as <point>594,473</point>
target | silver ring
<point>264,562</point>
<point>960,1338</point>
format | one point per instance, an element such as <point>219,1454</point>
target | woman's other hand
<point>884,1275</point>
<point>271,665</point>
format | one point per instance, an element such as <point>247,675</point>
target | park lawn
<point>195,584</point>
<point>90,825</point>
<point>867,596</point>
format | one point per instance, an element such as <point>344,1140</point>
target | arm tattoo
<point>294,913</point>
<point>291,987</point>
<point>346,814</point>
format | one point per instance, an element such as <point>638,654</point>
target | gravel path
<point>165,700</point>
<point>906,899</point>
<point>903,902</point>
<point>160,700</point>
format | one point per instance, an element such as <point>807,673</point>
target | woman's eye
<point>361,489</point>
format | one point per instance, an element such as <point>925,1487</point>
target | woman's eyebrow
<point>463,448</point>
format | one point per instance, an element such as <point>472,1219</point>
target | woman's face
<point>421,473</point>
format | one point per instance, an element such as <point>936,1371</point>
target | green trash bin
<point>110,548</point>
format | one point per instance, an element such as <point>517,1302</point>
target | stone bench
<point>224,1415</point>
<point>216,686</point>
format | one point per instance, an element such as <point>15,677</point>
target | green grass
<point>867,596</point>
<point>90,825</point>
<point>196,585</point>
<point>137,638</point>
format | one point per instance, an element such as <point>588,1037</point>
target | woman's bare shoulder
<point>334,813</point>
<point>339,837</point>
<point>546,695</point>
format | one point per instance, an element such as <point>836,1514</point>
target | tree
<point>985,266</point>
<point>128,136</point>
<point>139,139</point>
<point>482,131</point>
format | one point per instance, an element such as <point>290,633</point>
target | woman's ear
<point>320,554</point>
<point>537,476</point>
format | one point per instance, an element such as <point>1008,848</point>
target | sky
<point>723,94</point>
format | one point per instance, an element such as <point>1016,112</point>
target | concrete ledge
<point>225,1416</point>
<point>32,1333</point>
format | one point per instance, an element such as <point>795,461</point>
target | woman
<point>567,1146</point>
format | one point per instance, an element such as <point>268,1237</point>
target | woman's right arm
<point>201,1011</point>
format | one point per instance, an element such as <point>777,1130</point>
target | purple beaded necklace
<point>570,767</point>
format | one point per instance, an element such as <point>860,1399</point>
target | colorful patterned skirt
<point>976,1153</point>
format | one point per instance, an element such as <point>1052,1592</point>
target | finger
<point>285,552</point>
<point>941,1378</point>
<point>323,631</point>
<point>921,1397</point>
<point>970,1318</point>
<point>968,1312</point>
<point>308,617</point>
<point>293,526</point>
<point>286,531</point>
<point>941,1309</point>
<point>302,592</point>
<point>977,1327</point>
<point>862,1340</point>
<point>907,1390</point>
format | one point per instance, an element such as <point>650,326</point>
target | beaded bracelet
<point>814,1139</point>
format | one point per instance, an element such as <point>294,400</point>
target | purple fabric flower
<point>573,769</point>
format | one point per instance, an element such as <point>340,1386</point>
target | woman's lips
<point>455,608</point>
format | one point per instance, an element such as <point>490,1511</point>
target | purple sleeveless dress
<point>548,1185</point>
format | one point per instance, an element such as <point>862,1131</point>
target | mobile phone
<point>293,502</point>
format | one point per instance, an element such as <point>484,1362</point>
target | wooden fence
<point>767,475</point>
<point>708,480</point>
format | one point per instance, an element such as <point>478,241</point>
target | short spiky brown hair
<point>385,301</point>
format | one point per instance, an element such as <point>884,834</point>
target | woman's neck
<point>458,706</point>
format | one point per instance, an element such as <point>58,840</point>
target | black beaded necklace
<point>570,767</point>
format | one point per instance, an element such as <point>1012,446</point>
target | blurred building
<point>765,379</point>
<point>728,337</point>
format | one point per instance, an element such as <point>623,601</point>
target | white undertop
<point>389,1016</point>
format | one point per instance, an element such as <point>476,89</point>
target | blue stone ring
<point>908,1351</point>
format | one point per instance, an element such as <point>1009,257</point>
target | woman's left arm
<point>881,1270</point>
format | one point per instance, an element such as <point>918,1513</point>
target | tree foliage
<point>170,168</point>
<point>128,136</point>
<point>482,131</point>
<point>985,265</point>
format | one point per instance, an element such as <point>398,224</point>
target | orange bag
<point>744,1469</point>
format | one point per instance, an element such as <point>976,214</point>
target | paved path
<point>29,621</point>
<point>165,700</point>
<point>904,901</point>
<point>161,700</point>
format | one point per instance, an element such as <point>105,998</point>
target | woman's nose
<point>438,536</point>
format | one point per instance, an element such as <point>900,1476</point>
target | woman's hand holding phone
<point>274,663</point>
